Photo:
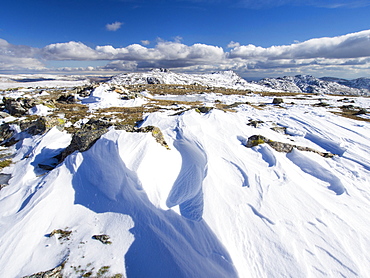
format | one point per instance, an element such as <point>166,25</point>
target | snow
<point>40,110</point>
<point>208,207</point>
<point>40,80</point>
<point>104,97</point>
<point>224,79</point>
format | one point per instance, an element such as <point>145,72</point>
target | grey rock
<point>6,132</point>
<point>277,100</point>
<point>102,238</point>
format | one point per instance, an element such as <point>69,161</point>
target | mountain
<point>325,85</point>
<point>224,79</point>
<point>104,181</point>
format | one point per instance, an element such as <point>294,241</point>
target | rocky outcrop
<point>255,140</point>
<point>85,138</point>
<point>41,125</point>
<point>105,239</point>
<point>6,133</point>
<point>52,273</point>
<point>18,107</point>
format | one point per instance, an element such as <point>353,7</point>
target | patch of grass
<point>5,163</point>
<point>62,234</point>
<point>103,270</point>
<point>350,115</point>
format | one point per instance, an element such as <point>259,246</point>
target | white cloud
<point>233,44</point>
<point>69,51</point>
<point>113,26</point>
<point>350,52</point>
<point>18,57</point>
<point>145,42</point>
<point>353,45</point>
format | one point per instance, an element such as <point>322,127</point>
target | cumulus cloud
<point>349,52</point>
<point>145,42</point>
<point>353,45</point>
<point>18,57</point>
<point>113,26</point>
<point>69,51</point>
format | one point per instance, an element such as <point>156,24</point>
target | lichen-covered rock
<point>156,133</point>
<point>255,140</point>
<point>41,125</point>
<point>203,109</point>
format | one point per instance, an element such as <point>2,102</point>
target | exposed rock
<point>279,129</point>
<point>102,238</point>
<point>255,140</point>
<point>41,125</point>
<point>83,91</point>
<point>62,234</point>
<point>255,123</point>
<point>277,100</point>
<point>52,273</point>
<point>6,132</point>
<point>82,140</point>
<point>67,99</point>
<point>362,111</point>
<point>156,133</point>
<point>203,109</point>
<point>18,107</point>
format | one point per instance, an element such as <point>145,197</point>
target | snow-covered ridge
<point>325,85</point>
<point>188,193</point>
<point>224,79</point>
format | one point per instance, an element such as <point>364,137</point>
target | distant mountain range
<point>229,79</point>
<point>310,84</point>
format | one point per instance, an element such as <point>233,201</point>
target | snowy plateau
<point>163,174</point>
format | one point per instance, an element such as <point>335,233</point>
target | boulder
<point>68,99</point>
<point>41,125</point>
<point>18,107</point>
<point>6,132</point>
<point>277,100</point>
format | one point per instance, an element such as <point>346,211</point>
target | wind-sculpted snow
<point>207,206</point>
<point>187,189</point>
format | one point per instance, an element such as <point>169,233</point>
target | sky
<point>256,39</point>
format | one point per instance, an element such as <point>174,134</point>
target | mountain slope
<point>225,79</point>
<point>310,84</point>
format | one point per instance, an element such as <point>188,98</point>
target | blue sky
<point>253,38</point>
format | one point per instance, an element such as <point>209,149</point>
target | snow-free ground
<point>206,207</point>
